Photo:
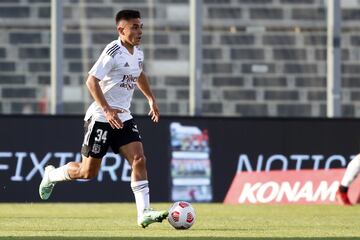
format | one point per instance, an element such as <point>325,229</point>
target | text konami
<point>266,192</point>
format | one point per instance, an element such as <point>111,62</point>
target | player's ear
<point>120,29</point>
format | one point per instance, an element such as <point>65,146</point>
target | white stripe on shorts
<point>88,133</point>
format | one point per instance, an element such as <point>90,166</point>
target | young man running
<point>108,121</point>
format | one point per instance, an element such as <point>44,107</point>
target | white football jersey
<point>118,71</point>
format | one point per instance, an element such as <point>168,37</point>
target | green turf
<point>214,221</point>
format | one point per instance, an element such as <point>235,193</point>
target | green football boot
<point>46,186</point>
<point>150,216</point>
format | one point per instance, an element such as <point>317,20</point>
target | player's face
<point>132,31</point>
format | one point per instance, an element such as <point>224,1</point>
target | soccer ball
<point>181,215</point>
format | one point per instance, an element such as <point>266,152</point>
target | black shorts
<point>99,136</point>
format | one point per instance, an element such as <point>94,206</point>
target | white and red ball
<point>181,215</point>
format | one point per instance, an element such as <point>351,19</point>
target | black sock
<point>343,189</point>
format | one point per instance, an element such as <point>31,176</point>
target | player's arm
<point>110,113</point>
<point>144,86</point>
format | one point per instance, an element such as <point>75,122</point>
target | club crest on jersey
<point>140,64</point>
<point>96,148</point>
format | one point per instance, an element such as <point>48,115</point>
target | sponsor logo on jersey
<point>128,82</point>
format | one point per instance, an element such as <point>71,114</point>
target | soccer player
<point>108,121</point>
<point>352,170</point>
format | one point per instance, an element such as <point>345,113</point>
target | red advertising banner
<point>289,187</point>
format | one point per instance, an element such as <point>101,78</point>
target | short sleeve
<point>102,66</point>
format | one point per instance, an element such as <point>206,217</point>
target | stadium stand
<point>260,57</point>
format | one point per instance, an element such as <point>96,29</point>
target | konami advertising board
<point>292,186</point>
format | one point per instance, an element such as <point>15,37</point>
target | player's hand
<point>111,115</point>
<point>154,111</point>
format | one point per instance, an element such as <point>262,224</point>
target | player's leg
<point>94,147</point>
<point>87,169</point>
<point>134,153</point>
<point>351,172</point>
<point>127,141</point>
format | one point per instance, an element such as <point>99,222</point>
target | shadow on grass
<point>178,238</point>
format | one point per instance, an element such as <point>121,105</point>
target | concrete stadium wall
<point>261,57</point>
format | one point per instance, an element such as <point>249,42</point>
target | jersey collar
<point>119,42</point>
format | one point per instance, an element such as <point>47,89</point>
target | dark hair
<point>126,15</point>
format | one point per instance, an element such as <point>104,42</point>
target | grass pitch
<point>214,221</point>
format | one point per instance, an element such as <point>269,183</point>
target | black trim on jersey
<point>111,48</point>
<point>111,51</point>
